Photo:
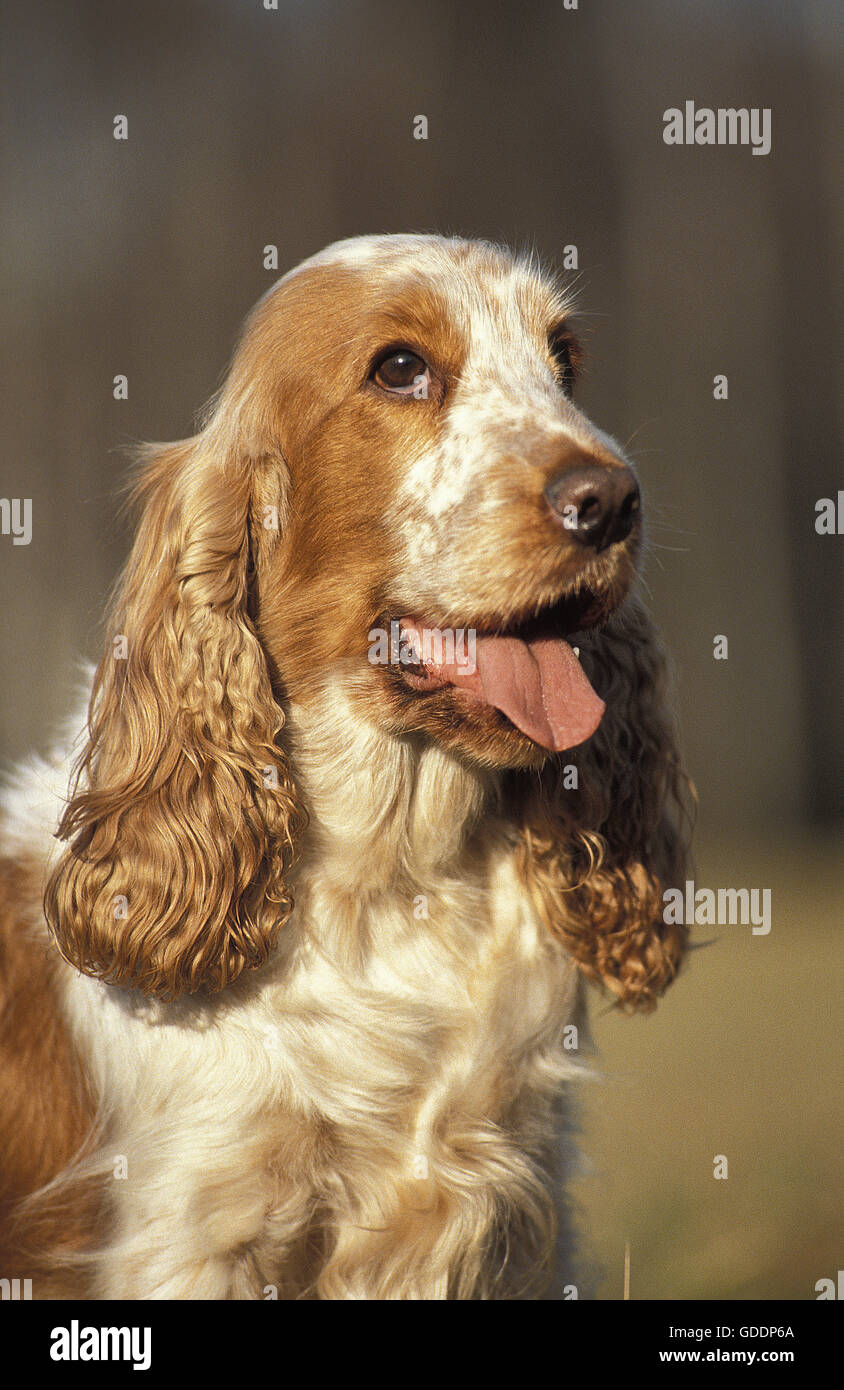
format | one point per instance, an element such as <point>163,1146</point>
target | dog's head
<point>394,488</point>
<point>451,517</point>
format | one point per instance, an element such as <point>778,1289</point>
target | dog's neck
<point>381,807</point>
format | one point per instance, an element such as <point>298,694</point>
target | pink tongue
<point>540,685</point>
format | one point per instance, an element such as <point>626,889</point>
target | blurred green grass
<point>741,1058</point>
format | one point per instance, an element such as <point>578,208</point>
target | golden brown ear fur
<point>597,858</point>
<point>184,816</point>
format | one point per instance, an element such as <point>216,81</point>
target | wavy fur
<point>184,817</point>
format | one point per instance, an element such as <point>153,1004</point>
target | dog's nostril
<point>596,505</point>
<point>589,513</point>
<point>627,513</point>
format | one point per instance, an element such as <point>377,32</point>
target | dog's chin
<point>477,733</point>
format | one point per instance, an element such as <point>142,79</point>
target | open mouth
<point>527,669</point>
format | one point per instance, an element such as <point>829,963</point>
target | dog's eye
<point>402,372</point>
<point>563,351</point>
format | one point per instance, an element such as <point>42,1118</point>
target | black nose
<point>596,505</point>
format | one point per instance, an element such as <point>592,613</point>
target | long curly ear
<point>183,820</point>
<point>597,856</point>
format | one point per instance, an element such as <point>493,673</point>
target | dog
<point>293,974</point>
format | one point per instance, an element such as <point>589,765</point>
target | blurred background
<point>293,127</point>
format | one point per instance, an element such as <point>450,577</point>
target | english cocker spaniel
<point>377,770</point>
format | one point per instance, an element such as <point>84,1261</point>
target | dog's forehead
<point>382,252</point>
<point>482,289</point>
